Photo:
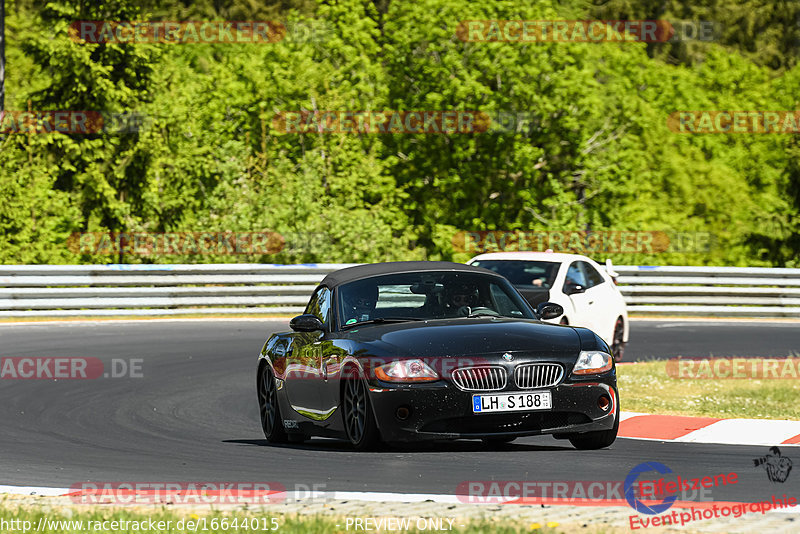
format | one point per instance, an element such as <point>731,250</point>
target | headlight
<point>406,371</point>
<point>592,362</point>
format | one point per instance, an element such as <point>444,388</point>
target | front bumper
<point>442,411</point>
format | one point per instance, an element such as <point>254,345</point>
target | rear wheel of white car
<point>617,343</point>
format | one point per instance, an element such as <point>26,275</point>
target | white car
<point>587,292</point>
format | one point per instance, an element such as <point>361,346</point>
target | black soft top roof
<point>349,274</point>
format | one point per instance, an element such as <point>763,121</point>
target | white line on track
<point>686,321</point>
<point>33,490</point>
<point>764,432</point>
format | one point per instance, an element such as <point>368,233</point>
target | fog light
<point>604,403</point>
<point>402,413</point>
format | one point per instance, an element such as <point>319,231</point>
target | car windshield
<point>524,274</point>
<point>428,295</point>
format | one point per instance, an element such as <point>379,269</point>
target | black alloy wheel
<point>271,421</point>
<point>362,431</point>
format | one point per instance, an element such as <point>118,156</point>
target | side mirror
<point>571,289</point>
<point>305,323</point>
<point>549,310</point>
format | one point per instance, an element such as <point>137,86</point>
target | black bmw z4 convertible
<point>410,351</point>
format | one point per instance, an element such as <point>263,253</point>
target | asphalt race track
<point>192,416</point>
<point>659,340</point>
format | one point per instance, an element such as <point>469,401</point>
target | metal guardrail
<point>102,290</point>
<point>96,290</point>
<point>711,291</point>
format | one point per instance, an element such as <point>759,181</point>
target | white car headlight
<point>591,362</point>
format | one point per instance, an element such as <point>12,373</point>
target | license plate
<point>512,402</point>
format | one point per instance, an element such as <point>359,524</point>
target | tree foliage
<point>587,147</point>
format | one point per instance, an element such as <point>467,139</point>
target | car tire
<point>271,421</point>
<point>598,439</point>
<point>564,321</point>
<point>617,343</point>
<point>359,421</point>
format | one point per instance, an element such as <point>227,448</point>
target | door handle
<point>324,366</point>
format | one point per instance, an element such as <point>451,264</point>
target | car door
<point>605,302</point>
<point>576,288</point>
<point>329,357</point>
<point>304,378</point>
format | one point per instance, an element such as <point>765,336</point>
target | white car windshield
<point>525,274</point>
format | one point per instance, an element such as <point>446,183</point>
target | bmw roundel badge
<point>508,357</point>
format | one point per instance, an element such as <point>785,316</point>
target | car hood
<point>465,337</point>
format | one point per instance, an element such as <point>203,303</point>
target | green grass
<point>645,387</point>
